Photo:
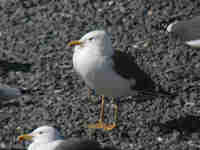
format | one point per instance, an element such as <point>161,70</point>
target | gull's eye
<point>40,132</point>
<point>90,39</point>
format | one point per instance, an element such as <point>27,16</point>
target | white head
<point>96,42</point>
<point>42,134</point>
<point>170,26</point>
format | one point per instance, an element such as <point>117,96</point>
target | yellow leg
<point>102,110</point>
<point>115,111</point>
<point>101,123</point>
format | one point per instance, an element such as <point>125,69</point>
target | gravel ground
<point>37,31</point>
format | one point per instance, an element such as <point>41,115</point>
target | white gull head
<point>45,134</point>
<point>96,42</point>
<point>170,26</point>
<point>42,137</point>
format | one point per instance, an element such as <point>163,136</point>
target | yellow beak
<point>72,43</point>
<point>25,137</point>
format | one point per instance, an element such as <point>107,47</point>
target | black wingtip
<point>167,94</point>
<point>159,93</point>
<point>26,91</point>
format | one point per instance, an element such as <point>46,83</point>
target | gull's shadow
<point>12,148</point>
<point>185,125</point>
<point>137,99</point>
<point>9,104</point>
<point>7,66</point>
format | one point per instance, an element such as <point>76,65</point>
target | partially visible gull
<point>110,73</point>
<point>48,138</point>
<point>187,30</point>
<point>8,93</point>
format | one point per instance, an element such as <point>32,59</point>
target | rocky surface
<point>37,31</point>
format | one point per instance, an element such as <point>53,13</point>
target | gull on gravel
<point>48,138</point>
<point>187,30</point>
<point>110,73</point>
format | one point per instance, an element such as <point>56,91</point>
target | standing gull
<point>48,138</point>
<point>110,73</point>
<point>188,31</point>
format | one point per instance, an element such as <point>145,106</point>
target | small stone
<point>150,12</point>
<point>2,145</point>
<point>159,139</point>
<point>110,3</point>
<point>82,2</point>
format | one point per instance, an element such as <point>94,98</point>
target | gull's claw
<point>102,125</point>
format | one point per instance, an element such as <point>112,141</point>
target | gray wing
<point>187,30</point>
<point>125,66</point>
<point>83,144</point>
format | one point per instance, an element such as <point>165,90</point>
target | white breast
<point>98,74</point>
<point>44,146</point>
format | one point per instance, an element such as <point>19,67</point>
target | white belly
<point>45,146</point>
<point>98,74</point>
